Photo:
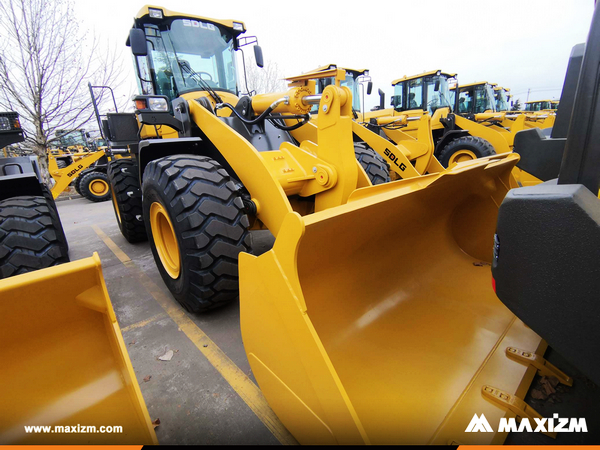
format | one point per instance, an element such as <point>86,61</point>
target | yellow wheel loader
<point>347,344</point>
<point>395,152</point>
<point>374,164</point>
<point>456,138</point>
<point>87,174</point>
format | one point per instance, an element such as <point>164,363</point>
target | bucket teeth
<point>544,367</point>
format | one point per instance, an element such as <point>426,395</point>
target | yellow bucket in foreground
<point>376,322</point>
<point>64,362</point>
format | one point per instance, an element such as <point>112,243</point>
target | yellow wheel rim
<point>116,205</point>
<point>99,187</point>
<point>165,241</point>
<point>461,156</point>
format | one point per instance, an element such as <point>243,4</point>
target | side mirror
<point>381,99</point>
<point>436,86</point>
<point>258,56</point>
<point>369,87</point>
<point>137,42</point>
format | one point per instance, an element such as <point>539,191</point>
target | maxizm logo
<point>553,425</point>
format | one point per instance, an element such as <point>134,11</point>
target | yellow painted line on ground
<point>110,244</point>
<point>143,323</point>
<point>237,379</point>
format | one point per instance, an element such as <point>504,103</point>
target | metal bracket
<point>515,405</point>
<point>544,367</point>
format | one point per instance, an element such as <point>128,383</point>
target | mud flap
<point>64,361</point>
<point>376,322</point>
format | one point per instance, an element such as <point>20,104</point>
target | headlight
<point>4,124</point>
<point>158,104</point>
<point>155,13</point>
<point>238,26</point>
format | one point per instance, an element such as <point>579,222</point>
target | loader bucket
<point>64,362</point>
<point>376,322</point>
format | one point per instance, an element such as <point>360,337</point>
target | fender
<point>152,149</point>
<point>448,136</point>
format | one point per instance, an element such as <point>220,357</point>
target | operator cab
<point>427,92</point>
<point>72,138</point>
<point>176,54</point>
<point>475,98</point>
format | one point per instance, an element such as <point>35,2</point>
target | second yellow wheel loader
<point>374,164</point>
<point>372,319</point>
<point>400,154</point>
<point>455,138</point>
<point>87,174</point>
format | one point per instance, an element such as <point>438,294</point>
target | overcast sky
<point>519,44</point>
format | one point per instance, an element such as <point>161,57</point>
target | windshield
<point>538,106</point>
<point>501,103</point>
<point>189,55</point>
<point>71,138</point>
<point>438,93</point>
<point>484,99</point>
<point>427,93</point>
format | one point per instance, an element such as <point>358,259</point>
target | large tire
<point>375,166</point>
<point>29,238</point>
<point>95,186</point>
<point>465,148</point>
<point>61,163</point>
<point>55,217</point>
<point>123,175</point>
<point>77,185</point>
<point>201,208</point>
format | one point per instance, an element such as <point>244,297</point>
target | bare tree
<point>46,61</point>
<point>262,80</point>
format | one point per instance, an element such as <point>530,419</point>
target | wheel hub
<point>165,240</point>
<point>99,187</point>
<point>462,155</point>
